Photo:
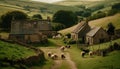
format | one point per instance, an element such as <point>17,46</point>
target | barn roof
<point>93,31</point>
<point>79,27</point>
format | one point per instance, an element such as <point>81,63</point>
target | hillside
<point>88,3</point>
<point>99,22</point>
<point>32,7</point>
<point>14,51</point>
<point>103,5</point>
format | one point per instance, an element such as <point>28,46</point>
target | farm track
<point>57,63</point>
<point>71,63</point>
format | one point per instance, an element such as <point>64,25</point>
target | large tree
<point>7,18</point>
<point>111,29</point>
<point>68,18</point>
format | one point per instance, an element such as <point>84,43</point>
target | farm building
<point>89,35</point>
<point>80,31</point>
<point>96,35</point>
<point>31,30</point>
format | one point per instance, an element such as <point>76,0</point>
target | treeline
<point>60,20</point>
<point>5,19</point>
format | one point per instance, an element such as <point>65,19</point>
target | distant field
<point>31,7</point>
<point>102,22</point>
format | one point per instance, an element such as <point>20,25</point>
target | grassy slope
<point>8,5</point>
<point>90,4</point>
<point>104,21</point>
<point>99,22</point>
<point>97,62</point>
<point>14,51</point>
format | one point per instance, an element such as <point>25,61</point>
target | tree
<point>111,29</point>
<point>37,16</point>
<point>57,26</point>
<point>68,18</point>
<point>116,6</point>
<point>7,18</point>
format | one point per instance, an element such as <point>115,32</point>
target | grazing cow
<point>62,56</point>
<point>82,53</point>
<point>62,48</point>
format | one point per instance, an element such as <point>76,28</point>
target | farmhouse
<point>31,30</point>
<point>80,31</point>
<point>96,35</point>
<point>89,35</point>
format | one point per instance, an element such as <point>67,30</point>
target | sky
<point>48,1</point>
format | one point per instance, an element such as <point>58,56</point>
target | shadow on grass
<point>47,44</point>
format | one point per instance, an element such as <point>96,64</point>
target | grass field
<point>111,61</point>
<point>103,22</point>
<point>103,45</point>
<point>14,51</point>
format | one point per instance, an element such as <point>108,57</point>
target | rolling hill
<point>102,22</point>
<point>32,7</point>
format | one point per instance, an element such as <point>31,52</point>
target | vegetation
<point>68,18</point>
<point>111,29</point>
<point>14,51</point>
<point>102,22</point>
<point>8,17</point>
<point>108,62</point>
<point>37,16</point>
<point>57,26</point>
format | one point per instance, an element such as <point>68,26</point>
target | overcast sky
<point>48,1</point>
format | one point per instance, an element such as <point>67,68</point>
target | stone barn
<point>96,35</point>
<point>89,35</point>
<point>80,31</point>
<point>31,30</point>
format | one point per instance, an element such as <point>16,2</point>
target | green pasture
<point>14,51</point>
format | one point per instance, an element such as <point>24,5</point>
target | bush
<point>68,35</point>
<point>69,41</point>
<point>57,26</point>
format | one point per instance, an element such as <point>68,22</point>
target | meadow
<point>14,51</point>
<point>111,61</point>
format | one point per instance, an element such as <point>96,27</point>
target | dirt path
<point>71,63</point>
<point>57,63</point>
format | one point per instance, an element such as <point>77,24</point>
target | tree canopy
<point>37,16</point>
<point>68,18</point>
<point>7,18</point>
<point>111,29</point>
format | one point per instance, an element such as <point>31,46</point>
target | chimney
<point>48,18</point>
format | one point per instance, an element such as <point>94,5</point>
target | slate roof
<point>93,31</point>
<point>79,27</point>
